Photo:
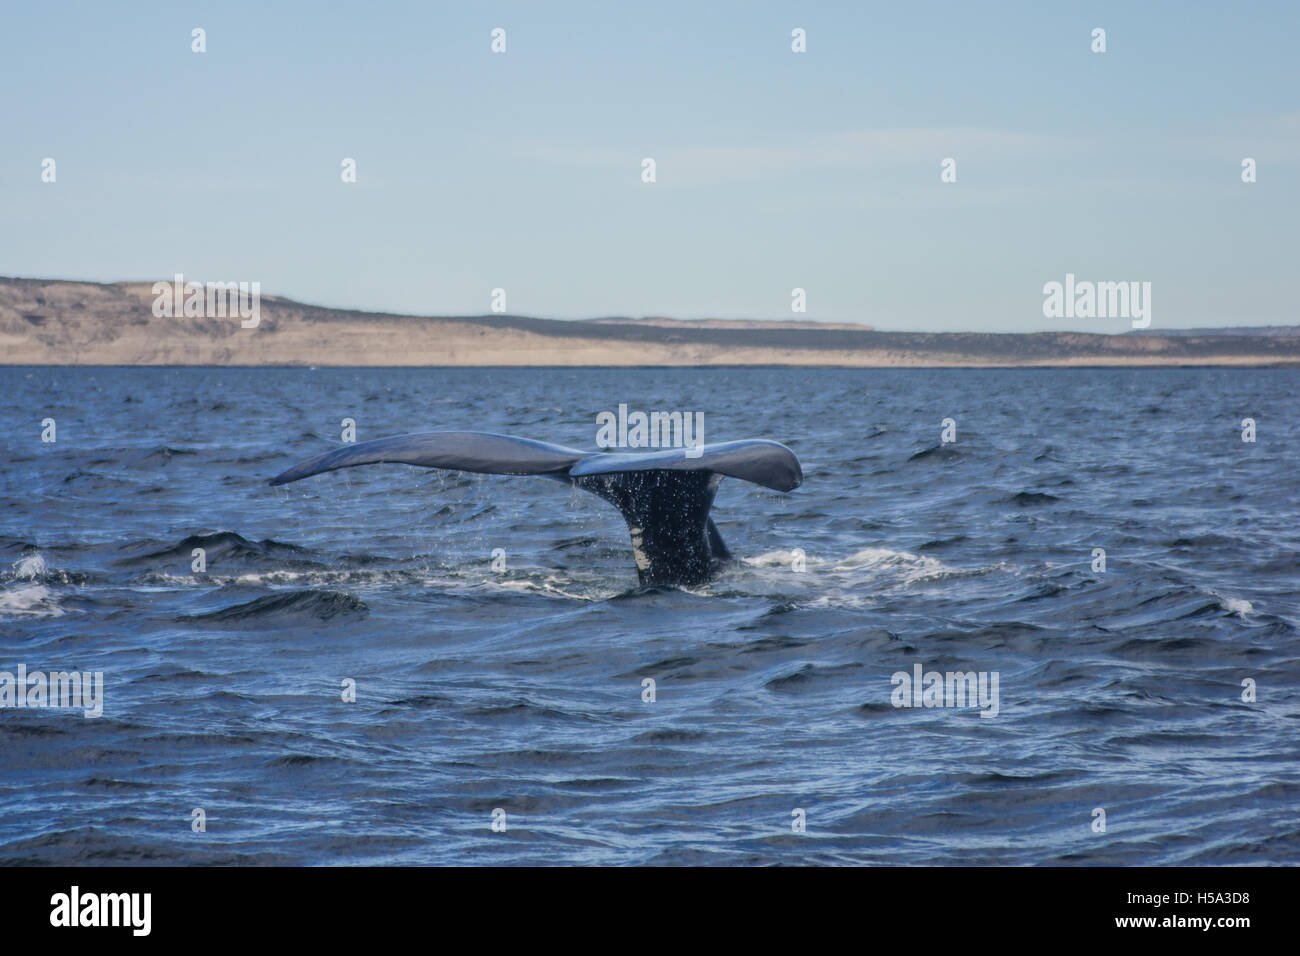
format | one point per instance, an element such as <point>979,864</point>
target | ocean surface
<point>520,689</point>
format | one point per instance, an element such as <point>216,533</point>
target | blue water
<point>522,690</point>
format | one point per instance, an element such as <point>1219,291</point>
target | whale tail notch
<point>664,496</point>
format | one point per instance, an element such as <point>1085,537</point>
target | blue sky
<point>775,170</point>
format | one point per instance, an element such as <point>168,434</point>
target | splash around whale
<point>664,496</point>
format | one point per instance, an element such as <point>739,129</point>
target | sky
<point>774,170</point>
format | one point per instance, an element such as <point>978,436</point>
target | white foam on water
<point>854,580</point>
<point>911,566</point>
<point>363,580</point>
<point>29,600</point>
<point>29,568</point>
<point>1238,606</point>
<point>551,585</point>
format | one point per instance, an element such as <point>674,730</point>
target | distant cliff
<point>55,322</point>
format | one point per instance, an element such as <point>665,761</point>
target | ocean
<point>392,665</point>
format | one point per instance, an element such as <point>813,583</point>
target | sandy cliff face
<point>52,322</point>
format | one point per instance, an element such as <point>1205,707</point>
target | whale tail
<point>664,496</point>
<point>674,541</point>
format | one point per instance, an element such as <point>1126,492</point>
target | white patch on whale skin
<point>638,553</point>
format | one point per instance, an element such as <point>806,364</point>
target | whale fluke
<point>664,496</point>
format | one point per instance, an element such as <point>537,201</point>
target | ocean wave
<point>220,547</point>
<point>286,608</point>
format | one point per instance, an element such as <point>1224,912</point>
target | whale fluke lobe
<point>764,462</point>
<point>481,452</point>
<point>665,496</point>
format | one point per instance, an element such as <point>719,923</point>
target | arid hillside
<point>56,322</point>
